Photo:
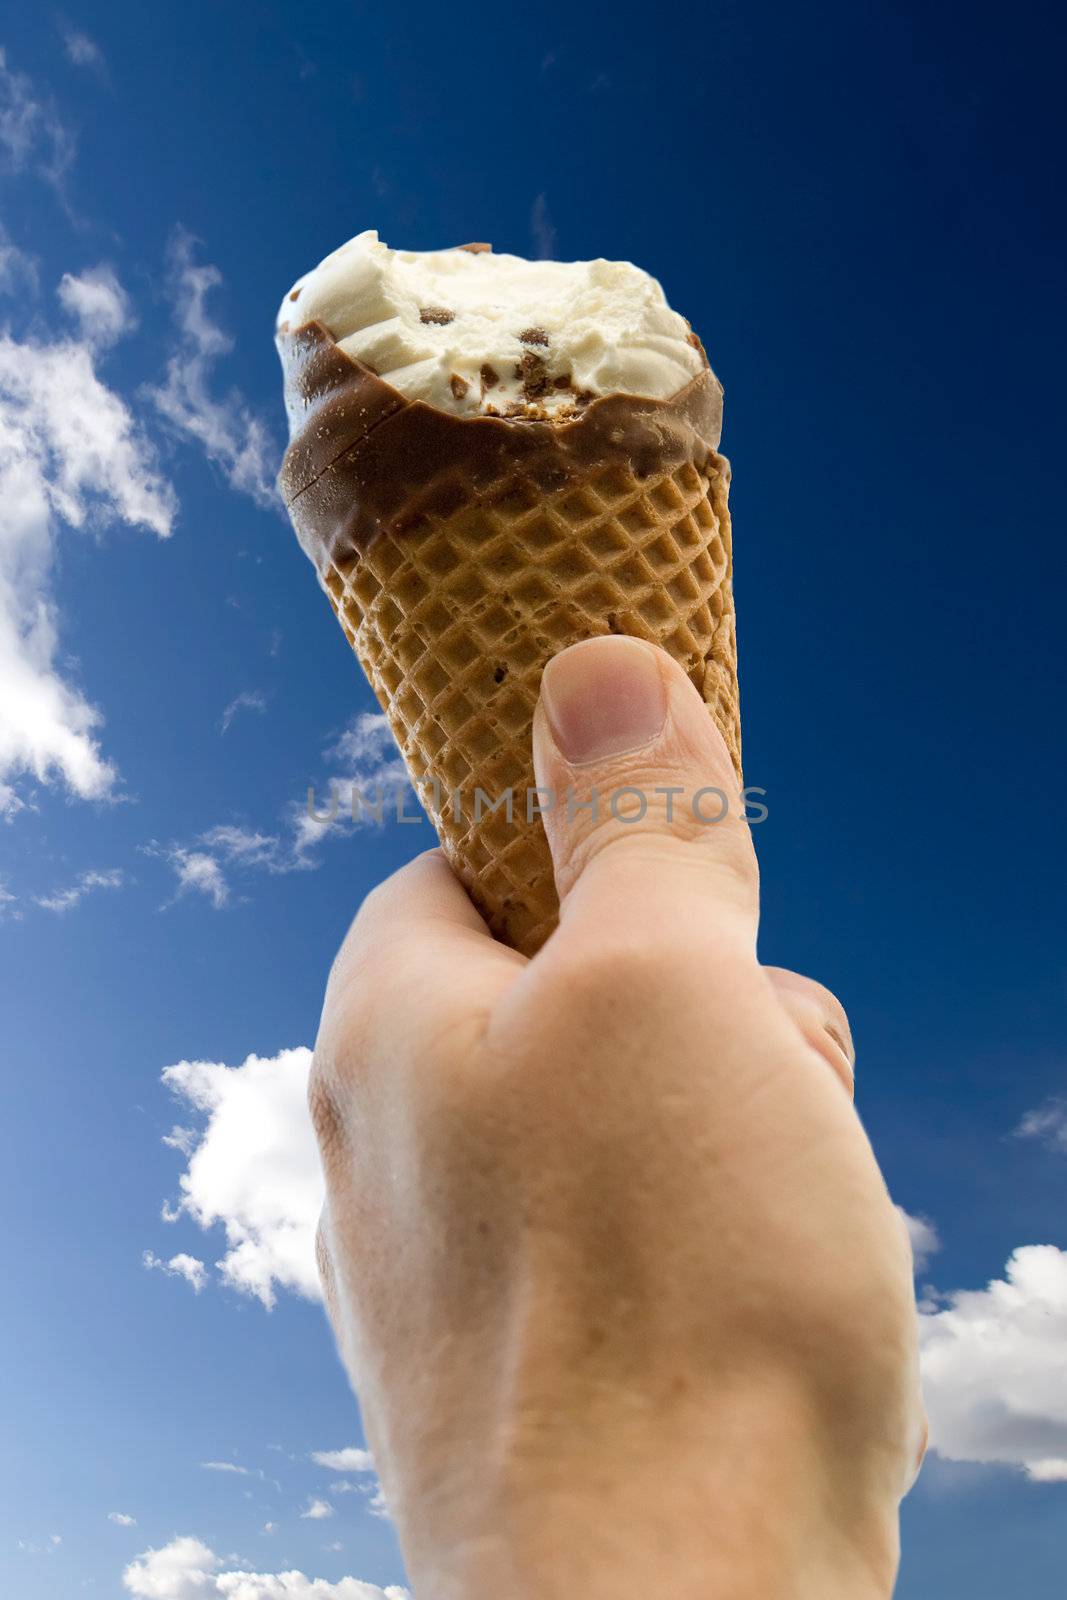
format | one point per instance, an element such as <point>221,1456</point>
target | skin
<point>606,1250</point>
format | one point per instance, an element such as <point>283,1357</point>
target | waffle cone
<point>485,563</point>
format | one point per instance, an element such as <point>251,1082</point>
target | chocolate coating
<point>363,457</point>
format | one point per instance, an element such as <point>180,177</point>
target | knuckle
<point>626,965</point>
<point>367,930</point>
<point>323,1258</point>
<point>325,1266</point>
<point>322,1104</point>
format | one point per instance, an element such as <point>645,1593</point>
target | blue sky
<point>857,209</point>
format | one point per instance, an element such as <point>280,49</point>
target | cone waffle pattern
<point>453,620</point>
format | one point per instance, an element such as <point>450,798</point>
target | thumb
<point>645,819</point>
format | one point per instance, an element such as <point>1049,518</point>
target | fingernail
<point>603,698</point>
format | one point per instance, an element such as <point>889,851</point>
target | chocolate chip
<point>294,294</point>
<point>533,336</point>
<point>458,385</point>
<point>489,376</point>
<point>475,249</point>
<point>438,315</point>
<point>692,339</point>
<point>534,375</point>
<point>563,381</point>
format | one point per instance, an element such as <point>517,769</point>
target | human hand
<point>607,1253</point>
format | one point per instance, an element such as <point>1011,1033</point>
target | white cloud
<point>379,1506</point>
<point>366,786</point>
<point>18,270</point>
<point>70,453</point>
<point>923,1236</point>
<point>198,873</point>
<point>180,1138</point>
<point>234,439</point>
<point>121,1520</point>
<point>364,761</point>
<point>249,700</point>
<point>66,899</point>
<point>243,845</point>
<point>255,1169</point>
<point>180,1266</point>
<point>28,1547</point>
<point>201,866</point>
<point>270,1527</point>
<point>32,136</point>
<point>995,1367</point>
<point>351,1459</point>
<point>187,1569</point>
<point>226,1466</point>
<point>81,50</point>
<point>98,303</point>
<point>1048,1124</point>
<point>317,1511</point>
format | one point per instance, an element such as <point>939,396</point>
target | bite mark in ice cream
<point>474,333</point>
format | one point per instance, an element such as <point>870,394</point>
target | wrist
<point>730,1500</point>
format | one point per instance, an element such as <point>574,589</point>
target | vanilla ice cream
<point>474,333</point>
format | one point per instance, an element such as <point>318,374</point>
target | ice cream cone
<point>461,552</point>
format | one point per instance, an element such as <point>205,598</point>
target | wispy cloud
<point>232,437</point>
<point>18,269</point>
<point>64,900</point>
<point>99,304</point>
<point>71,453</point>
<point>180,1266</point>
<point>350,1459</point>
<point>365,780</point>
<point>366,785</point>
<point>248,700</point>
<point>244,845</point>
<point>1047,1124</point>
<point>180,1138</point>
<point>317,1511</point>
<point>226,1466</point>
<point>354,1459</point>
<point>121,1520</point>
<point>33,137</point>
<point>82,51</point>
<point>923,1236</point>
<point>202,866</point>
<point>197,873</point>
<point>542,229</point>
<point>30,1548</point>
<point>186,1567</point>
